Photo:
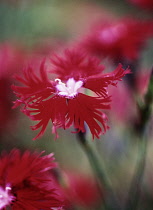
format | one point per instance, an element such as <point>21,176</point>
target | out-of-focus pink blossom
<point>142,81</point>
<point>11,61</point>
<point>81,190</point>
<point>124,104</point>
<point>118,39</point>
<point>123,107</point>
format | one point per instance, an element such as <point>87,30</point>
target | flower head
<point>25,182</point>
<point>118,39</point>
<point>61,100</point>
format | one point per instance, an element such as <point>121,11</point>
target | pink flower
<point>123,109</point>
<point>118,39</point>
<point>11,60</point>
<point>61,100</point>
<point>142,81</point>
<point>25,182</point>
<point>81,190</point>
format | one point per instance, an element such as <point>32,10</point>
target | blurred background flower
<point>11,62</point>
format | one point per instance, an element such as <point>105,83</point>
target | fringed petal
<point>75,64</point>
<point>36,88</point>
<point>100,84</point>
<point>86,109</point>
<point>55,109</point>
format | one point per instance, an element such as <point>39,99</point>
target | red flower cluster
<point>61,100</point>
<point>25,182</point>
<point>118,39</point>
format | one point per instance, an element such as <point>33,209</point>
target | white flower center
<point>70,89</point>
<point>5,196</point>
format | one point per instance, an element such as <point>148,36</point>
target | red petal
<point>86,109</point>
<point>99,84</point>
<point>75,64</point>
<point>36,88</point>
<point>54,109</point>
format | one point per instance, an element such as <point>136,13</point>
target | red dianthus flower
<point>118,39</point>
<point>25,182</point>
<point>60,100</point>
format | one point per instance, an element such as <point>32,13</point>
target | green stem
<point>135,189</point>
<point>109,200</point>
<point>144,114</point>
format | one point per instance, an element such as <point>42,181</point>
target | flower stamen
<point>70,89</point>
<point>5,196</point>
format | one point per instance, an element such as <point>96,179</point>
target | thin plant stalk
<point>135,188</point>
<point>109,200</point>
<point>145,111</point>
